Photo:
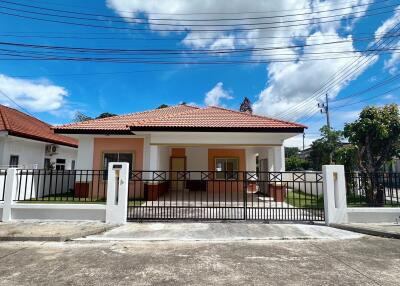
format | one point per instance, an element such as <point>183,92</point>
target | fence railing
<point>373,189</point>
<point>64,186</point>
<point>226,195</point>
<point>3,178</point>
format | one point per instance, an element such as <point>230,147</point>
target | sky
<point>292,52</point>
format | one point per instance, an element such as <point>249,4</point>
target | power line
<point>172,30</point>
<point>216,13</point>
<point>13,101</point>
<point>130,19</point>
<point>352,69</point>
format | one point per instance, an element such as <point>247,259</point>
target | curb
<point>367,231</point>
<point>57,238</point>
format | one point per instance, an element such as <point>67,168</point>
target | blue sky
<point>54,90</point>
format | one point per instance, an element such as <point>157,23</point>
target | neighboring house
<point>29,143</point>
<point>183,138</point>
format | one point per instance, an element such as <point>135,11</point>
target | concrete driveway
<point>219,232</point>
<point>363,261</point>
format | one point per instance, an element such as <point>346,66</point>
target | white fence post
<point>334,194</point>
<point>9,193</point>
<point>117,193</point>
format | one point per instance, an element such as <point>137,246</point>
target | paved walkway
<point>219,232</point>
<point>364,261</point>
<point>49,230</point>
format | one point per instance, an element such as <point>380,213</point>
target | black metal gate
<point>212,195</point>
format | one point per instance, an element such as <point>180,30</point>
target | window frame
<point>224,173</point>
<point>131,166</point>
<point>13,165</point>
<point>60,164</point>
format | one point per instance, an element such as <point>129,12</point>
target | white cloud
<point>292,83</point>
<point>391,64</point>
<point>297,141</point>
<point>214,96</point>
<point>289,83</point>
<point>36,96</point>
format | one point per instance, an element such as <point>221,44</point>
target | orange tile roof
<point>20,124</point>
<point>182,117</point>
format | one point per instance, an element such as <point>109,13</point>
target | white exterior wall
<point>197,158</point>
<point>157,148</point>
<point>31,153</point>
<point>85,153</point>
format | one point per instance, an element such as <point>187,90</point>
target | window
<point>226,168</point>
<point>60,164</point>
<point>14,160</point>
<point>118,157</point>
<point>73,165</point>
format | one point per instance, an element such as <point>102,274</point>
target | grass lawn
<point>300,199</point>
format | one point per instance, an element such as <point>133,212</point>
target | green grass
<point>303,200</point>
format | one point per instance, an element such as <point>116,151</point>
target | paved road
<point>363,261</point>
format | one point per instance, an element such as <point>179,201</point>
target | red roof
<point>20,124</point>
<point>183,117</point>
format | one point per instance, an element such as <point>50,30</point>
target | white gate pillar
<point>117,193</point>
<point>10,191</point>
<point>334,194</point>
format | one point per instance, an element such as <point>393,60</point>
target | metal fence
<point>3,178</point>
<point>234,195</point>
<point>65,186</point>
<point>373,189</point>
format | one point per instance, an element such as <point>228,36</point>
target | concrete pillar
<point>334,194</point>
<point>251,154</point>
<point>279,159</point>
<point>10,191</point>
<point>117,193</point>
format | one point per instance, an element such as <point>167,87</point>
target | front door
<point>177,165</point>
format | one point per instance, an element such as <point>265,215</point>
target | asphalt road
<point>363,261</point>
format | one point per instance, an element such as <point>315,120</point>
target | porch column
<point>279,159</point>
<point>154,156</point>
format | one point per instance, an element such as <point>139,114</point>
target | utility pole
<point>324,108</point>
<point>304,137</point>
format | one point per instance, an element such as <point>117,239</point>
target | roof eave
<point>221,129</point>
<point>38,138</point>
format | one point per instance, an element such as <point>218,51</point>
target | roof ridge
<point>170,115</point>
<point>256,115</point>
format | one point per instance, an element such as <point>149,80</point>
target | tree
<point>347,156</point>
<point>245,106</point>
<point>291,151</point>
<point>163,106</point>
<point>105,115</point>
<point>376,134</point>
<point>321,148</point>
<point>79,117</point>
<point>295,163</point>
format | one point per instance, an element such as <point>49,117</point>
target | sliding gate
<point>211,195</point>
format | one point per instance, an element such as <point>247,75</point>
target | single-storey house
<point>183,138</point>
<point>29,143</point>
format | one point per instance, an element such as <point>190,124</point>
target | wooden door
<point>178,164</point>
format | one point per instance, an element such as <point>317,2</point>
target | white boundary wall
<point>336,210</point>
<point>114,211</point>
